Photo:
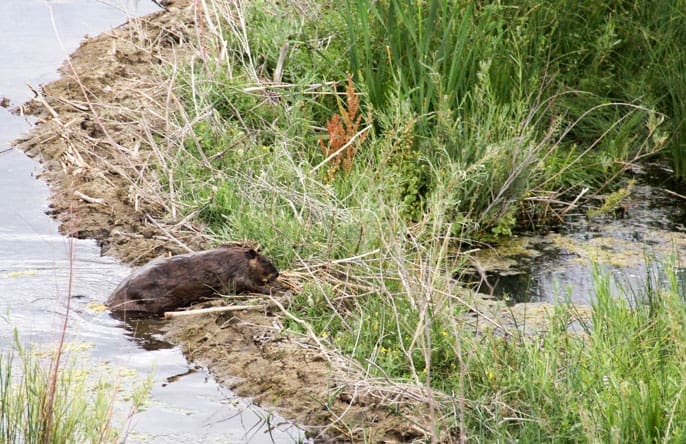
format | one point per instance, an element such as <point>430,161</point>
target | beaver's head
<point>261,269</point>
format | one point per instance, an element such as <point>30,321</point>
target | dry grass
<point>112,135</point>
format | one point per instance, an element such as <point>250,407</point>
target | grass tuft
<point>72,406</point>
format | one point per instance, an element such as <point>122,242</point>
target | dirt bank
<point>99,133</point>
<point>91,136</point>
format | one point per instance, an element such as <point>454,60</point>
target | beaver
<point>169,283</point>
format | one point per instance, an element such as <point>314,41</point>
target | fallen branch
<point>305,325</point>
<point>573,204</point>
<point>179,314</point>
<point>93,200</point>
<point>41,99</point>
<point>337,261</point>
<point>170,236</point>
<point>674,194</point>
<point>309,88</point>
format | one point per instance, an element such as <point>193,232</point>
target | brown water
<point>39,268</point>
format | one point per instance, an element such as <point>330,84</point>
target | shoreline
<point>98,132</point>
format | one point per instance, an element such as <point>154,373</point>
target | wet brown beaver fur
<point>169,283</point>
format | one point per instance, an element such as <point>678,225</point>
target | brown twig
<point>674,194</point>
<point>170,236</point>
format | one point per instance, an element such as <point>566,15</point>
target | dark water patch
<point>512,287</point>
<point>146,331</point>
<point>560,264</point>
<point>528,278</point>
<point>654,203</point>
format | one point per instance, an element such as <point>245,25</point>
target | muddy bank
<point>100,130</point>
<point>91,138</point>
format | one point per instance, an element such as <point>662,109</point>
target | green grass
<point>620,382</point>
<point>483,105</point>
<point>619,379</point>
<point>37,406</point>
<point>480,116</point>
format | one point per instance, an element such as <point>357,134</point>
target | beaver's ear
<point>251,254</point>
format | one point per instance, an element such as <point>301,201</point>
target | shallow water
<point>560,265</point>
<point>39,268</point>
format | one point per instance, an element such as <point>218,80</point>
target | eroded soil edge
<point>99,131</point>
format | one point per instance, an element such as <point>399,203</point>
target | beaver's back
<point>168,283</point>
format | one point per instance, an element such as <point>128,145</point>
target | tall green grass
<point>619,381</point>
<point>75,406</point>
<point>495,71</point>
<point>478,112</point>
<point>475,103</point>
<point>664,26</point>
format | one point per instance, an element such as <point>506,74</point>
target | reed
<point>615,382</point>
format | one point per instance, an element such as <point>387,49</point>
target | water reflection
<point>146,331</point>
<point>560,265</point>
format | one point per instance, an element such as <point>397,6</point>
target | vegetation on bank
<point>54,400</point>
<point>387,138</point>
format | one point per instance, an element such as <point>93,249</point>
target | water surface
<point>632,247</point>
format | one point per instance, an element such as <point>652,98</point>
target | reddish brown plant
<point>344,138</point>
